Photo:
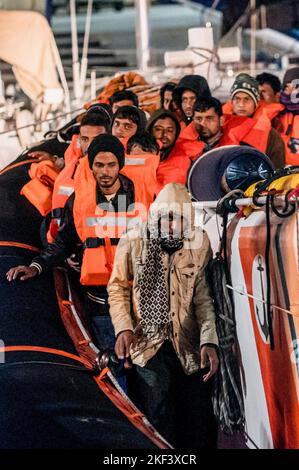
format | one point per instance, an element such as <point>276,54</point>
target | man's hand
<point>28,271</point>
<point>41,155</point>
<point>209,358</point>
<point>71,261</point>
<point>122,347</point>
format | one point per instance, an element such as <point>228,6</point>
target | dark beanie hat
<point>246,84</point>
<point>101,108</point>
<point>51,146</point>
<point>106,143</point>
<point>290,75</point>
<point>195,83</point>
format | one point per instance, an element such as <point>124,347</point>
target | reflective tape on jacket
<point>142,171</point>
<point>98,230</point>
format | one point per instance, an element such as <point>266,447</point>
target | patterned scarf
<point>171,244</point>
<point>154,295</point>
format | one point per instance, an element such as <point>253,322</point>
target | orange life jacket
<point>236,130</point>
<point>39,190</point>
<point>74,149</point>
<point>239,129</point>
<point>142,170</point>
<point>288,127</point>
<point>263,109</point>
<point>98,229</point>
<point>64,186</point>
<point>188,143</point>
<point>270,110</point>
<point>174,169</point>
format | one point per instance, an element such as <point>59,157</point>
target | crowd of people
<point>144,285</point>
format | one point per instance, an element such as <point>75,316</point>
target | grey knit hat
<point>246,84</point>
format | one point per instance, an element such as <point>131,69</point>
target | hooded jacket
<point>190,305</point>
<point>174,163</point>
<point>195,83</point>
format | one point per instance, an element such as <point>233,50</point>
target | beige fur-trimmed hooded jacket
<point>190,305</point>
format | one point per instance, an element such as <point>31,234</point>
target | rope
<point>40,121</point>
<point>57,352</point>
<point>267,263</point>
<point>15,165</point>
<point>20,245</point>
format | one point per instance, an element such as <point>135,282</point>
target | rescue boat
<point>56,387</point>
<point>262,244</point>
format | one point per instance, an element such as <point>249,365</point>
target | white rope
<point>259,300</point>
<point>41,121</point>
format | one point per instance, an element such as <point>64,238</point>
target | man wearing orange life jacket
<point>269,87</point>
<point>250,97</point>
<point>141,164</point>
<point>174,164</point>
<point>93,124</point>
<point>269,104</point>
<point>287,122</point>
<point>210,129</point>
<point>245,102</point>
<point>99,189</point>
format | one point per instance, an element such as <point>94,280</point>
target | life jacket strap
<point>95,242</point>
<point>57,213</point>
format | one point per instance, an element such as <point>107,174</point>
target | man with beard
<point>165,128</point>
<point>171,339</point>
<point>98,187</point>
<point>185,94</point>
<point>210,129</point>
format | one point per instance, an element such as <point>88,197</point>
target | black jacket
<point>67,241</point>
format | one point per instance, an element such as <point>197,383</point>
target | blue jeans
<point>103,333</point>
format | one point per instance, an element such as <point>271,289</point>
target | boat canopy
<point>28,44</point>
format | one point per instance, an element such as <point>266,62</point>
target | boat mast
<point>142,31</point>
<point>253,25</point>
<point>84,59</point>
<point>75,53</point>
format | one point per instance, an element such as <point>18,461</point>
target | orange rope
<point>15,165</point>
<point>20,245</point>
<point>57,352</point>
